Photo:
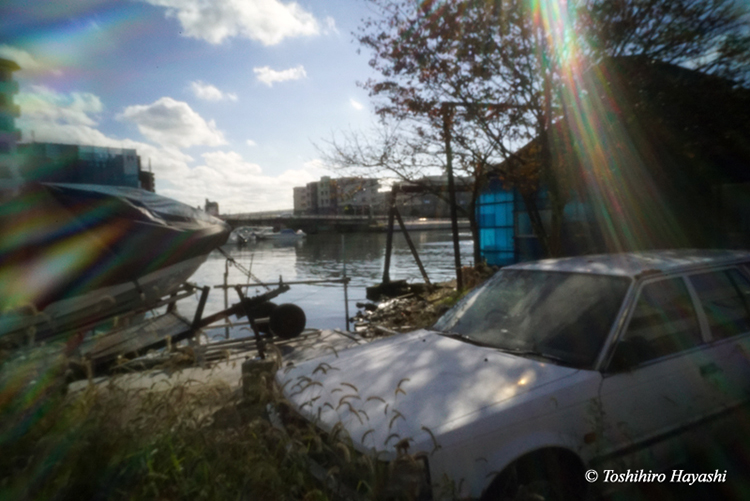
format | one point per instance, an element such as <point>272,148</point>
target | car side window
<point>724,296</point>
<point>663,322</point>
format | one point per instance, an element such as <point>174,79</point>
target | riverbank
<point>418,308</point>
<point>171,432</point>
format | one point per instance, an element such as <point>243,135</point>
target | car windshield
<point>563,317</point>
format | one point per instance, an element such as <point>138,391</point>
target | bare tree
<point>400,150</point>
<point>511,69</point>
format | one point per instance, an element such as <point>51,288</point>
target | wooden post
<point>389,239</point>
<point>346,290</point>
<point>411,246</point>
<point>199,310</point>
<point>260,345</point>
<point>195,327</point>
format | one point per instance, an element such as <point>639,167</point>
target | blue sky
<point>225,98</point>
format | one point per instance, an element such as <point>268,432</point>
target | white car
<point>550,370</point>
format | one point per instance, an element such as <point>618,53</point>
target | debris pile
<point>418,308</point>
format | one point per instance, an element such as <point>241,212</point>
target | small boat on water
<point>285,234</point>
<point>243,235</point>
<point>71,254</point>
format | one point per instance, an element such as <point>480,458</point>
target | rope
<point>243,269</point>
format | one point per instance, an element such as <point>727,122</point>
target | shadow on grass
<point>108,442</point>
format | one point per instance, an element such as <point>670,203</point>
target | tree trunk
<point>548,176</point>
<point>556,201</point>
<point>529,199</point>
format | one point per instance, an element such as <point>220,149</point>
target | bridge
<point>313,224</point>
<point>308,223</point>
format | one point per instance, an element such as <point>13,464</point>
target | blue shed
<point>495,217</point>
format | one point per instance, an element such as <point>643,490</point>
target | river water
<point>323,256</point>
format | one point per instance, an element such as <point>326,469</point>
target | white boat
<point>260,232</point>
<point>285,234</point>
<point>243,235</point>
<point>74,254</point>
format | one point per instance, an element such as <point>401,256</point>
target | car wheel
<point>538,478</point>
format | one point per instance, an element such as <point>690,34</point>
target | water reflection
<point>319,257</point>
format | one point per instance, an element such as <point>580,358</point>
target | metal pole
<point>294,282</point>
<point>346,289</point>
<point>447,119</point>
<point>226,292</point>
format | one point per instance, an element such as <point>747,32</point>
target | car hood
<point>413,386</point>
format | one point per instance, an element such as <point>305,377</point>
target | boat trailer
<point>266,319</point>
<point>124,338</point>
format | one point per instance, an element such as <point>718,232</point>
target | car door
<point>724,299</point>
<point>653,388</point>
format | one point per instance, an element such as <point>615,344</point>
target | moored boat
<point>71,253</point>
<point>285,234</point>
<point>243,235</point>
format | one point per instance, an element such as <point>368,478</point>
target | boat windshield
<point>563,317</point>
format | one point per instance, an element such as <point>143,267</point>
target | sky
<point>222,99</point>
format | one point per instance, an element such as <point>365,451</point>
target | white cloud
<point>330,25</point>
<point>317,168</point>
<point>173,123</point>
<point>210,93</point>
<point>269,76</point>
<point>225,176</point>
<point>50,116</point>
<point>232,163</point>
<point>250,142</point>
<point>24,59</point>
<point>46,105</point>
<point>355,104</point>
<point>266,21</point>
<point>237,185</point>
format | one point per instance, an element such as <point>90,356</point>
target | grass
<point>189,442</point>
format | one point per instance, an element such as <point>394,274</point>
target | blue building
<point>71,163</point>
<point>497,225</point>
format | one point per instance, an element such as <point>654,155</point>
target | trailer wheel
<point>288,321</point>
<point>264,310</point>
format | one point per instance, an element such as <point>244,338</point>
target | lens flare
<point>614,154</point>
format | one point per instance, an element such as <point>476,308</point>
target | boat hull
<point>82,251</point>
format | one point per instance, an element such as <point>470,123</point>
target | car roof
<point>634,264</point>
